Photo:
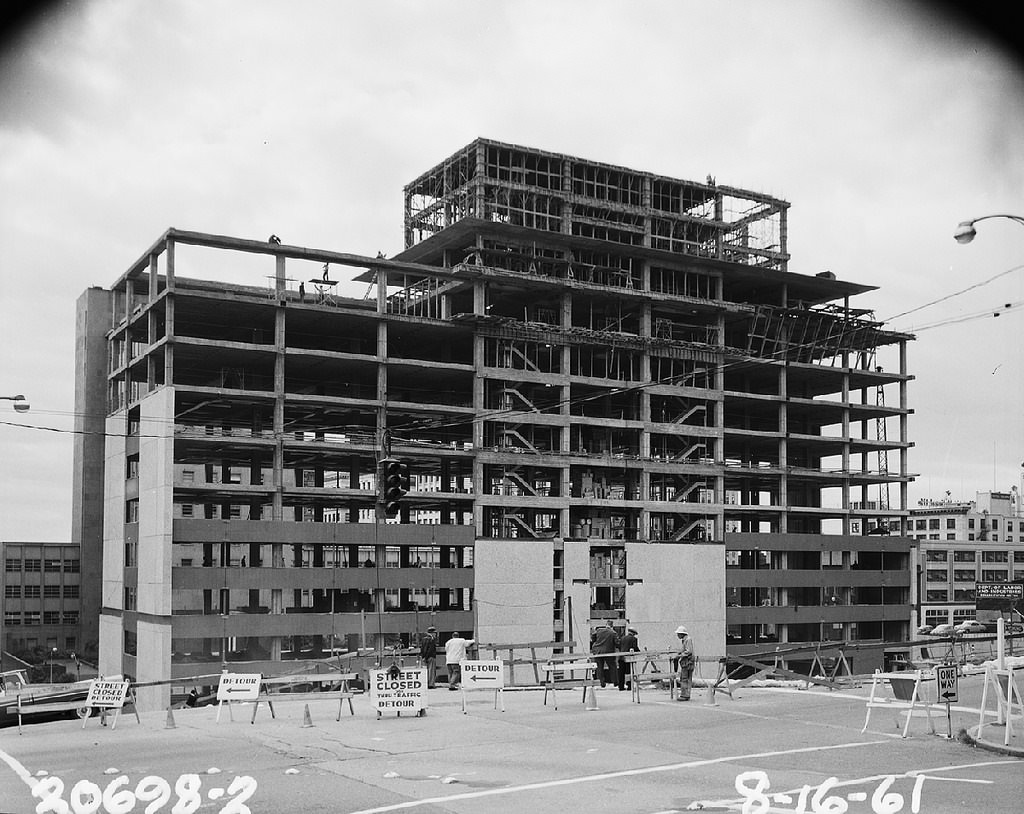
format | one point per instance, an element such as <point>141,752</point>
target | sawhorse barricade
<point>269,696</point>
<point>1006,689</point>
<point>660,663</point>
<point>907,697</point>
<point>104,695</point>
<point>571,664</point>
<point>512,662</point>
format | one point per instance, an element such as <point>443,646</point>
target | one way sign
<point>945,678</point>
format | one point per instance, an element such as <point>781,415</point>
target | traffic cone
<point>306,720</point>
<point>591,699</point>
<point>709,696</point>
<point>170,719</point>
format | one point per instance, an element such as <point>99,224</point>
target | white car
<point>971,626</point>
<point>943,630</point>
<point>924,630</point>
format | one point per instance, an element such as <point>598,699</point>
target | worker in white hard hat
<point>685,663</point>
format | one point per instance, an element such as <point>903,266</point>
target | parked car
<point>924,630</point>
<point>971,626</point>
<point>943,630</point>
<point>14,684</point>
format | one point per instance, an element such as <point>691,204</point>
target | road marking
<point>18,769</point>
<point>593,778</point>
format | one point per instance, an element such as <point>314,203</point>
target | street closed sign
<point>483,675</point>
<point>238,687</point>
<point>945,678</point>
<point>106,694</point>
<point>399,689</point>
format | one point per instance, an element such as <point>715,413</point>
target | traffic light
<point>394,484</point>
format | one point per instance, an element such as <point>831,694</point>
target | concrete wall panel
<point>678,585</point>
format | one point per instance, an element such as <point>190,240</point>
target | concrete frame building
<point>606,383</point>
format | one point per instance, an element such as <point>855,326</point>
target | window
<point>32,592</point>
<point>129,598</point>
<point>937,596</point>
<point>936,617</point>
<point>12,564</point>
<point>131,643</point>
<point>964,575</point>
<point>963,594</point>
<point>131,511</point>
<point>933,524</point>
<point>188,475</point>
<point>71,592</point>
<point>187,509</point>
<point>995,556</point>
<point>12,592</point>
<point>72,566</point>
<point>920,524</point>
<point>963,556</point>
<point>12,618</point>
<point>935,575</point>
<point>970,522</point>
<point>131,554</point>
<point>51,618</point>
<point>995,524</point>
<point>950,523</point>
<point>70,617</point>
<point>990,575</point>
<point>933,536</point>
<point>33,565</point>
<point>1018,556</point>
<point>31,617</point>
<point>51,566</point>
<point>950,536</point>
<point>936,555</point>
<point>51,591</point>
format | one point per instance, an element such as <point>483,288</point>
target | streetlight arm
<point>965,231</point>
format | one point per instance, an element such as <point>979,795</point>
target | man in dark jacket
<point>602,642</point>
<point>627,644</point>
<point>428,654</point>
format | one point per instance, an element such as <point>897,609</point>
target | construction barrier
<point>533,662</point>
<point>907,697</point>
<point>651,668</point>
<point>104,694</point>
<point>1006,690</point>
<point>278,689</point>
<point>560,673</point>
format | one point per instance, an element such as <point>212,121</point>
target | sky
<point>883,124</point>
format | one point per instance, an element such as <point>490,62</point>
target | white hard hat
<point>680,629</point>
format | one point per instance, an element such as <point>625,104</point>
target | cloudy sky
<point>884,124</point>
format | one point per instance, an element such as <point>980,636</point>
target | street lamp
<point>20,405</point>
<point>53,655</point>
<point>965,231</point>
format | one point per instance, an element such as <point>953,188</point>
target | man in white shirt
<point>454,652</point>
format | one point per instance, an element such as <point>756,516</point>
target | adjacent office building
<point>616,403</point>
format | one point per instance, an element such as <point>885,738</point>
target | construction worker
<point>454,653</point>
<point>627,644</point>
<point>428,654</point>
<point>602,643</point>
<point>685,663</point>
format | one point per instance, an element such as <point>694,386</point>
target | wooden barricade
<point>533,661</point>
<point>907,697</point>
<point>558,668</point>
<point>1006,689</point>
<point>123,695</point>
<point>269,696</point>
<point>660,665</point>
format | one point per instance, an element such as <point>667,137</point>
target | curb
<point>970,737</point>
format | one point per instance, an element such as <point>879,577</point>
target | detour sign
<point>108,694</point>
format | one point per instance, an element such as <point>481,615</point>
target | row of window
<point>970,575</point>
<point>50,566</point>
<point>15,618</point>
<point>994,538</point>
<point>37,591</point>
<point>942,555</point>
<point>932,523</point>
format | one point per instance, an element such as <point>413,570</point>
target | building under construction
<point>614,400</point>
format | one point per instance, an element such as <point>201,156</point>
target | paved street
<point>782,744</point>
